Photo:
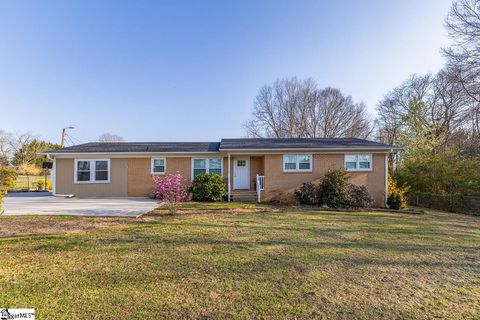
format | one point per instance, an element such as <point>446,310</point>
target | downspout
<point>53,176</point>
<point>53,173</point>
<point>228,179</point>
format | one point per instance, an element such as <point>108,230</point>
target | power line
<point>73,139</point>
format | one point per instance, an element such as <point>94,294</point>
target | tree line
<point>22,151</point>
<point>435,117</point>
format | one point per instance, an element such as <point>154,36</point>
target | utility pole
<point>63,135</point>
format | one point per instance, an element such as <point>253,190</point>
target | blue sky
<point>190,70</point>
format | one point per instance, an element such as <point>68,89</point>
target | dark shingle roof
<point>140,147</point>
<point>225,145</point>
<point>299,143</point>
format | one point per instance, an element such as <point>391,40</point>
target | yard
<point>246,262</point>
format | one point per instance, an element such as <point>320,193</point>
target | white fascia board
<point>133,154</point>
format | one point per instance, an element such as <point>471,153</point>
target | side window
<point>215,166</point>
<point>297,162</point>
<point>101,170</point>
<point>83,170</point>
<point>206,165</point>
<point>158,166</point>
<point>358,162</point>
<point>91,171</point>
<point>350,162</point>
<point>199,166</point>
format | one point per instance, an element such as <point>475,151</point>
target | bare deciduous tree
<point>463,25</point>
<point>5,148</point>
<point>297,108</point>
<point>18,144</point>
<point>108,137</point>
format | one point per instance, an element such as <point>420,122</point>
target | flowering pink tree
<point>171,190</point>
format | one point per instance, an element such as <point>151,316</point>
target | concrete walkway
<point>43,203</point>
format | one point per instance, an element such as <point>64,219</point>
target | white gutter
<point>126,152</point>
<point>314,149</point>
<point>238,151</point>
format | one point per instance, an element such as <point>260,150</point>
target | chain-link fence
<point>27,183</point>
<point>451,202</point>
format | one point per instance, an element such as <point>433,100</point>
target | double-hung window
<point>158,166</point>
<point>297,162</point>
<point>358,162</point>
<point>92,171</point>
<point>206,165</point>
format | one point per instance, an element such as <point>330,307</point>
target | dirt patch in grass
<point>189,208</point>
<point>12,226</point>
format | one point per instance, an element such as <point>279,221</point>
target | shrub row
<point>334,191</point>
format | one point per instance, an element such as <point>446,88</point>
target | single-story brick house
<point>257,167</point>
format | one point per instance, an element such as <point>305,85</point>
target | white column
<point>386,180</point>
<point>258,188</point>
<point>228,179</point>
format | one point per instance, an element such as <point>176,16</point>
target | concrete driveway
<point>45,204</point>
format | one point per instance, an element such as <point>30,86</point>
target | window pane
<point>350,158</point>
<point>159,165</point>
<point>101,175</point>
<point>364,157</point>
<point>83,165</point>
<point>364,161</point>
<point>303,158</point>
<point>364,165</point>
<point>215,164</point>
<point>350,165</point>
<point>217,171</point>
<point>304,166</point>
<point>159,169</point>
<point>290,166</point>
<point>290,159</point>
<point>198,171</point>
<point>101,165</point>
<point>83,176</point>
<point>290,162</point>
<point>241,163</point>
<point>159,162</point>
<point>199,164</point>
<point>303,162</point>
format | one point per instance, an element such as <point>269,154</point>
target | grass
<point>244,262</point>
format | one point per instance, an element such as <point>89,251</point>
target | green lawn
<point>255,262</point>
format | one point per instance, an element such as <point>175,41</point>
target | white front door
<point>241,173</point>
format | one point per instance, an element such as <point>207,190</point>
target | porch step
<point>244,197</point>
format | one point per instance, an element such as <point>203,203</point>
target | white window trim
<point>207,165</point>
<point>92,171</point>
<point>164,166</point>
<point>297,162</point>
<point>358,166</point>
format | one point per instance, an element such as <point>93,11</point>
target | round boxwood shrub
<point>208,187</point>
<point>333,190</point>
<point>307,193</point>
<point>394,201</point>
<point>358,197</point>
